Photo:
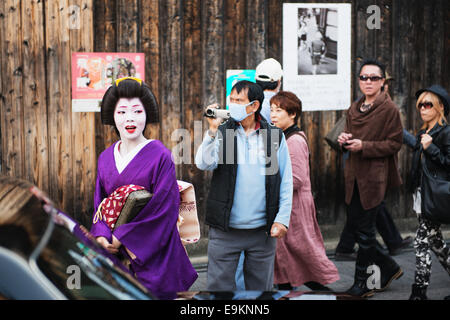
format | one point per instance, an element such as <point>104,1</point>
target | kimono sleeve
<point>153,231</point>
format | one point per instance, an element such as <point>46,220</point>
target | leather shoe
<point>359,289</point>
<point>388,276</point>
<point>406,243</point>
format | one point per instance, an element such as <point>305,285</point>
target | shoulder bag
<point>435,193</point>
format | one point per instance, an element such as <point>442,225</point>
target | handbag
<point>188,225</point>
<point>332,136</point>
<point>435,193</point>
<point>122,206</point>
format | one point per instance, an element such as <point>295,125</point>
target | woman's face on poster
<point>130,118</point>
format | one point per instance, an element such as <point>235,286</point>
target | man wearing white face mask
<point>250,198</point>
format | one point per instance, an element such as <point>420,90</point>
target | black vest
<point>221,194</point>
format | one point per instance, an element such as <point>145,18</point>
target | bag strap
<point>98,215</point>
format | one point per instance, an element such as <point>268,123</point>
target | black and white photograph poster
<point>317,54</point>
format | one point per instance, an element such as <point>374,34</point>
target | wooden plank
<point>274,30</point>
<point>83,123</point>
<point>104,41</point>
<point>127,25</point>
<point>256,36</point>
<point>216,59</point>
<point>192,101</point>
<point>35,97</point>
<point>12,84</point>
<point>171,82</point>
<point>59,104</point>
<point>215,51</point>
<point>234,33</point>
<point>149,44</point>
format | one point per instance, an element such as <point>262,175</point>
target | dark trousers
<point>361,225</point>
<point>385,227</point>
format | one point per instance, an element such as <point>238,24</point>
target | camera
<point>217,113</point>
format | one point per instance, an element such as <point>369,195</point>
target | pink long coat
<point>300,255</point>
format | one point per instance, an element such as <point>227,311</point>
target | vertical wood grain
<point>171,69</point>
<point>150,47</point>
<point>34,95</point>
<point>59,104</point>
<point>104,41</point>
<point>12,86</point>
<point>83,123</point>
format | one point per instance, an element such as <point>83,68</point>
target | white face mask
<point>238,111</point>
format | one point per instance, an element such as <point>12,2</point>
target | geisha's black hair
<point>128,88</point>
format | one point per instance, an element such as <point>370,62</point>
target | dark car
<point>45,254</point>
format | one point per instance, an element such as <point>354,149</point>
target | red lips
<point>130,129</point>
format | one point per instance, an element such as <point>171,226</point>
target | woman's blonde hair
<point>433,98</point>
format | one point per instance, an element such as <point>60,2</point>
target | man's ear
<point>256,105</point>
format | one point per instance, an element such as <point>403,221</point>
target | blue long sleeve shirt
<point>249,203</point>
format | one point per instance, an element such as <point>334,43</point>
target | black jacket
<point>221,194</point>
<point>437,155</point>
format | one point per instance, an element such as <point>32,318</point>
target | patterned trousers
<point>428,237</point>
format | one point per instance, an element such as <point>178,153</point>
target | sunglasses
<point>372,78</point>
<point>426,105</point>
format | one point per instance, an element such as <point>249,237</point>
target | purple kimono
<point>161,263</point>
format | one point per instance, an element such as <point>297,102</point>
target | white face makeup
<point>130,118</point>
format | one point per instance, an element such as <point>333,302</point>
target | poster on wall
<point>94,72</point>
<point>235,75</point>
<point>317,54</point>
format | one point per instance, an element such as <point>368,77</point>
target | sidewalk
<point>399,289</point>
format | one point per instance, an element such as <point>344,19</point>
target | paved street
<point>399,289</point>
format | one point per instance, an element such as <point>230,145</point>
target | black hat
<point>441,93</point>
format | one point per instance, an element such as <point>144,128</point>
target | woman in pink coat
<point>300,256</point>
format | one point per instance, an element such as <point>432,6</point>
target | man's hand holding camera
<point>213,123</point>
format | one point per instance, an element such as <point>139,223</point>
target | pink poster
<point>94,72</point>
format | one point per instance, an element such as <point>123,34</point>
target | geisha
<point>151,240</point>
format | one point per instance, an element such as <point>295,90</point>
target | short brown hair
<point>288,101</point>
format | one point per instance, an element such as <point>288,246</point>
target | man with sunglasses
<point>373,136</point>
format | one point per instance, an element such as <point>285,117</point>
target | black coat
<point>437,155</point>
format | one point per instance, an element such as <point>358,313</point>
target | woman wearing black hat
<point>433,142</point>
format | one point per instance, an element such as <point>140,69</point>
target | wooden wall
<point>189,45</point>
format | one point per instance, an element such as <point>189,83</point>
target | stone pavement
<point>399,289</point>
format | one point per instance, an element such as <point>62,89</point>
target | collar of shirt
<point>258,123</point>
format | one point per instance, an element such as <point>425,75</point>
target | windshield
<point>77,266</point>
